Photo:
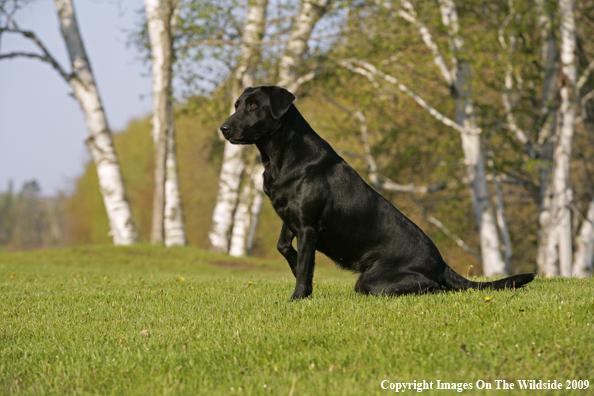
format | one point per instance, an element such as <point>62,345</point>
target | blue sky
<point>42,130</point>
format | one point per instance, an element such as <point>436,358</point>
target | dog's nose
<point>225,128</point>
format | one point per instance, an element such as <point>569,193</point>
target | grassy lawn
<point>145,320</point>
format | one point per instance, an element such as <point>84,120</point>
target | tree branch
<point>369,71</point>
<point>408,13</point>
<point>508,86</point>
<point>444,229</point>
<point>380,182</point>
<point>583,101</point>
<point>303,79</point>
<point>240,42</point>
<point>46,57</point>
<point>584,77</point>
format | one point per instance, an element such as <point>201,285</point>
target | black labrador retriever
<point>325,204</point>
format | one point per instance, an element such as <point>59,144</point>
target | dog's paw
<point>301,293</point>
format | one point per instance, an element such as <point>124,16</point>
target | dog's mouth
<point>252,139</point>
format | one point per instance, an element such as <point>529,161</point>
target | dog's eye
<point>253,105</point>
<point>236,104</point>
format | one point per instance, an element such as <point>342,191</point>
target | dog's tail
<point>457,282</point>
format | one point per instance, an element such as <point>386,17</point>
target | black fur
<point>328,207</point>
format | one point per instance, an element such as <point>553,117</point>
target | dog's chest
<point>280,197</point>
<point>280,202</point>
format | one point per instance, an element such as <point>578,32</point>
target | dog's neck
<point>271,151</point>
<point>274,148</point>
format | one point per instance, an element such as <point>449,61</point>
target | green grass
<point>72,322</point>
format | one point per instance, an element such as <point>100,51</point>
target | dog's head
<point>258,113</point>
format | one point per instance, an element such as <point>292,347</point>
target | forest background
<point>389,85</point>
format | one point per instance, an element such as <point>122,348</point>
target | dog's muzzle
<point>226,129</point>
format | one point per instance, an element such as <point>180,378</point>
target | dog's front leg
<point>306,253</point>
<point>285,248</point>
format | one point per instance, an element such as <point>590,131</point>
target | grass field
<point>145,320</point>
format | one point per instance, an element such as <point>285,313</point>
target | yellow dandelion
<point>249,282</point>
<point>314,282</point>
<point>181,278</point>
<point>11,277</point>
<point>14,273</point>
<point>487,299</point>
<point>105,277</point>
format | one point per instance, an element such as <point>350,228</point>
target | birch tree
<point>559,243</point>
<point>583,261</point>
<point>465,122</point>
<point>310,12</point>
<point>167,222</point>
<point>584,252</point>
<point>233,157</point>
<point>471,144</point>
<point>547,131</point>
<point>100,140</point>
<point>251,200</point>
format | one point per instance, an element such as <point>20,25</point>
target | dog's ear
<point>280,101</point>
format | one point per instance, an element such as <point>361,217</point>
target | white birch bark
<point>560,236</point>
<point>545,139</point>
<point>309,14</point>
<point>158,25</point>
<point>584,252</point>
<point>502,222</point>
<point>247,214</point>
<point>256,207</point>
<point>100,141</point>
<point>233,157</point>
<point>493,263</point>
<point>168,224</point>
<point>174,224</point>
<point>237,247</point>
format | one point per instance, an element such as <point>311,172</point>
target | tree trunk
<point>233,157</point>
<point>502,222</point>
<point>545,139</point>
<point>256,209</point>
<point>100,141</point>
<point>167,223</point>
<point>493,263</point>
<point>241,219</point>
<point>584,252</point>
<point>560,236</point>
<point>309,14</point>
<point>248,211</point>
<point>175,230</point>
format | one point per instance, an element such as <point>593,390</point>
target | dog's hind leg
<point>380,279</point>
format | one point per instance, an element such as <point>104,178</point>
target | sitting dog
<point>325,204</point>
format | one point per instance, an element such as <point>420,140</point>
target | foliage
<point>28,220</point>
<point>148,320</point>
